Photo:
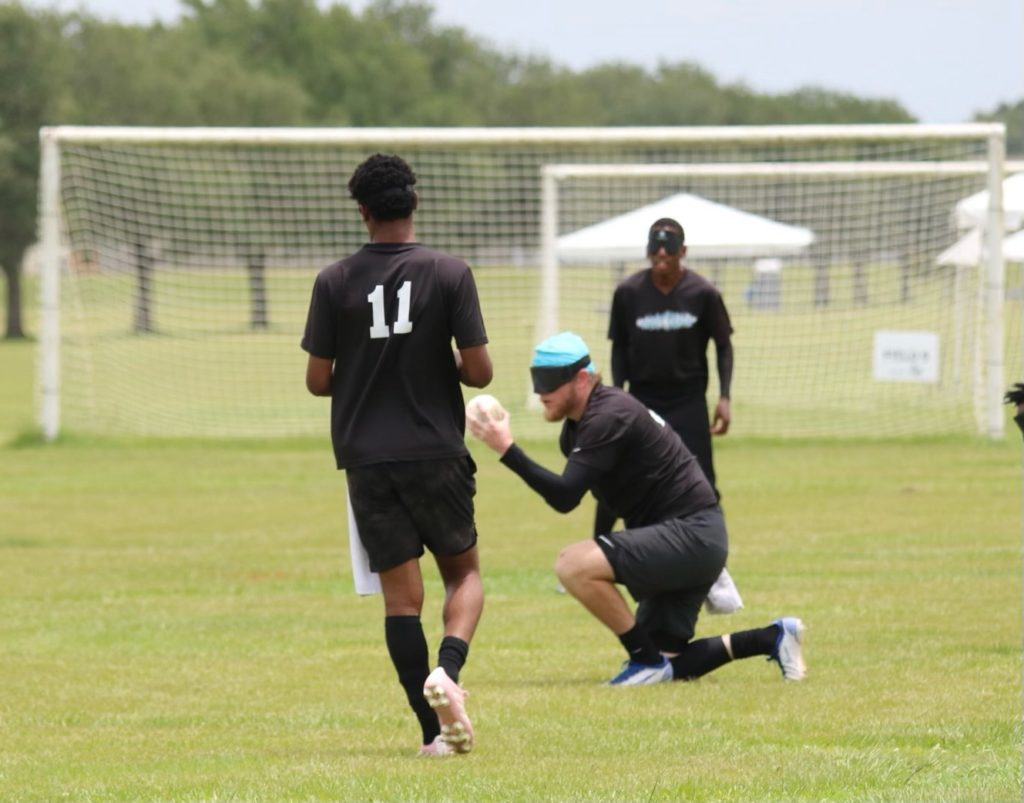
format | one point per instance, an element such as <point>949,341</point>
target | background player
<point>662,319</point>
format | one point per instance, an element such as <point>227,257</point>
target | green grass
<point>177,624</point>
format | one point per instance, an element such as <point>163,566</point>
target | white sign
<point>906,356</point>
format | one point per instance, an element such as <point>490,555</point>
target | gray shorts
<point>668,568</point>
<point>402,508</point>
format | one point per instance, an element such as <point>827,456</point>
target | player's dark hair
<point>384,185</point>
<point>668,223</point>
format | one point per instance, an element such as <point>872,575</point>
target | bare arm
<point>474,365</point>
<point>318,375</point>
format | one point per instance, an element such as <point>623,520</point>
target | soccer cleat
<point>436,749</point>
<point>788,652</point>
<point>634,674</point>
<point>446,697</point>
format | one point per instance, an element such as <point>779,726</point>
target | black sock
<point>698,658</point>
<point>407,647</point>
<point>747,643</point>
<point>640,647</point>
<point>452,656</point>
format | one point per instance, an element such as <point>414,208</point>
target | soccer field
<point>177,624</point>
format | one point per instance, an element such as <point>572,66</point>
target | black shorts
<point>669,568</point>
<point>400,508</point>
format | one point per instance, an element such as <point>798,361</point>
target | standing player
<point>1015,396</point>
<point>661,321</point>
<point>675,543</point>
<point>379,335</point>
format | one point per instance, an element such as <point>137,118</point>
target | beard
<point>557,409</point>
<point>553,414</point>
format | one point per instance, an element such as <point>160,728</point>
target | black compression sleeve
<point>562,491</point>
<point>620,365</point>
<point>724,353</point>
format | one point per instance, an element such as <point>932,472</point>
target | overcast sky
<point>943,60</point>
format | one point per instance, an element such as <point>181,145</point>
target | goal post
<point>177,263</point>
<point>48,385</point>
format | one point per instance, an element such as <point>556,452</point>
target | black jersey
<point>666,334</point>
<point>387,316</point>
<point>647,475</point>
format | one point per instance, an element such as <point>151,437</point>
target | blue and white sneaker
<point>788,652</point>
<point>634,674</point>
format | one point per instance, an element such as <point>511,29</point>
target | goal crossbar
<point>454,136</point>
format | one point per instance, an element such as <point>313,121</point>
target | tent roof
<point>966,252</point>
<point>971,211</point>
<point>712,230</point>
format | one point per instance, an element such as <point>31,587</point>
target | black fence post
<point>259,311</point>
<point>143,288</point>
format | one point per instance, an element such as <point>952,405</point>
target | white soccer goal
<point>848,317</point>
<point>177,265</point>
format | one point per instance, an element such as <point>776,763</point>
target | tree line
<point>290,63</point>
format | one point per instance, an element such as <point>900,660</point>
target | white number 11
<point>402,323</point>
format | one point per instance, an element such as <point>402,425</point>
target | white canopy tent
<point>972,210</point>
<point>1013,247</point>
<point>967,251</point>
<point>712,230</point>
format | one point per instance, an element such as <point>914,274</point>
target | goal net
<point>177,266</point>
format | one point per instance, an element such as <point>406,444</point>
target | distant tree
<point>1012,115</point>
<point>30,68</point>
<point>463,74</point>
<point>348,72</point>
<point>130,75</point>
<point>817,105</point>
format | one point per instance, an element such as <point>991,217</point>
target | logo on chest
<point>668,321</point>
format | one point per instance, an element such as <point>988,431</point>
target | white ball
<point>484,407</point>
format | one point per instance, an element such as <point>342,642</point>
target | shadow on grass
<point>28,439</point>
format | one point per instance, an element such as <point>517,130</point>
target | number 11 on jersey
<point>402,323</point>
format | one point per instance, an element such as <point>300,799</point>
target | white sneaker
<point>437,748</point>
<point>789,652</point>
<point>446,697</point>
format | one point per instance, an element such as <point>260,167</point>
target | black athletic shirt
<point>666,334</point>
<point>645,473</point>
<point>387,316</point>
